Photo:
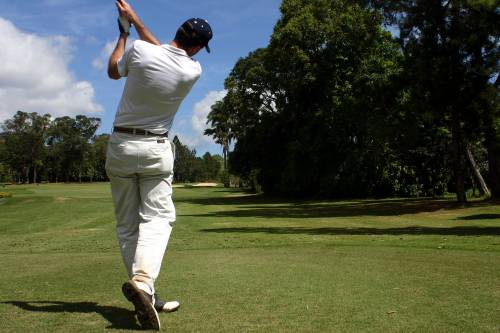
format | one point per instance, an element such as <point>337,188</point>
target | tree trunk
<point>34,174</point>
<point>494,168</point>
<point>484,188</point>
<point>225,150</point>
<point>492,144</point>
<point>474,187</point>
<point>459,147</point>
<point>27,175</point>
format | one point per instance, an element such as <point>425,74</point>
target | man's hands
<point>125,10</point>
<point>127,17</point>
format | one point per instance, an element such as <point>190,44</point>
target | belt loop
<point>133,131</point>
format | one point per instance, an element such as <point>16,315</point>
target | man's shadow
<point>118,318</point>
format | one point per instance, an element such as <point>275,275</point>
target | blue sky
<point>57,53</point>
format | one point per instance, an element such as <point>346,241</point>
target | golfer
<point>139,159</point>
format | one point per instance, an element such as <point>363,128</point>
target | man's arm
<point>113,72</point>
<point>126,10</point>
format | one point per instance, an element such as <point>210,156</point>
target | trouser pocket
<point>121,157</point>
<point>158,158</point>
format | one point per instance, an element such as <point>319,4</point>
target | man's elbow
<point>113,74</point>
<point>114,77</point>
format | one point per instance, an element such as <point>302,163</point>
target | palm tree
<point>220,121</point>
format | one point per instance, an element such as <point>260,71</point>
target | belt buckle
<point>134,131</point>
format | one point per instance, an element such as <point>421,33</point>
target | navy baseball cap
<point>200,29</point>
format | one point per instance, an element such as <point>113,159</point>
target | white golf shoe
<point>162,306</point>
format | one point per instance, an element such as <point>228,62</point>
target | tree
<point>210,167</point>
<point>220,121</point>
<point>4,172</point>
<point>451,53</point>
<point>25,136</point>
<point>304,106</point>
<point>69,145</point>
<point>37,137</point>
<point>333,106</point>
<point>491,105</point>
<point>98,157</point>
<point>185,166</point>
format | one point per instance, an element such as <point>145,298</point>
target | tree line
<point>338,106</point>
<point>36,148</point>
<point>189,168</point>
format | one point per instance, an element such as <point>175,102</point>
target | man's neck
<point>175,44</point>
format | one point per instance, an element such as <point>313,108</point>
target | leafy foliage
<point>24,137</point>
<point>35,148</point>
<point>190,168</point>
<point>336,106</point>
<point>69,145</point>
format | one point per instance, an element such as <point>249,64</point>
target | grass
<point>242,263</point>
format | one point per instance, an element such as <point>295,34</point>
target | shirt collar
<point>175,49</point>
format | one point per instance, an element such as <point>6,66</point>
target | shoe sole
<point>144,309</point>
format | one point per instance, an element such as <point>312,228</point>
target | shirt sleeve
<point>124,61</point>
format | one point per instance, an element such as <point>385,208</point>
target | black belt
<point>137,131</point>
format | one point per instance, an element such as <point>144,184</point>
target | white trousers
<point>141,171</point>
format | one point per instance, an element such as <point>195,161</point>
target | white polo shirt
<point>158,79</point>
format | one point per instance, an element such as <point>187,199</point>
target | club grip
<point>124,25</point>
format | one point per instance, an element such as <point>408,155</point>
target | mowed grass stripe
<point>397,266</point>
<point>303,289</point>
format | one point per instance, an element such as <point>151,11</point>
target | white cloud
<point>34,76</point>
<point>202,109</point>
<point>191,133</point>
<point>106,51</point>
<point>102,60</point>
<point>186,139</point>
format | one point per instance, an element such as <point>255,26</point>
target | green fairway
<point>244,263</point>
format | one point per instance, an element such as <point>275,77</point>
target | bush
<point>224,178</point>
<point>4,176</point>
<point>253,180</point>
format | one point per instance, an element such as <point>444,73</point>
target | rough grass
<point>241,263</point>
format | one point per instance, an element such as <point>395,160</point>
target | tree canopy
<point>35,148</point>
<point>337,106</point>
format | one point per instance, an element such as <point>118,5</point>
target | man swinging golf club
<point>139,159</point>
